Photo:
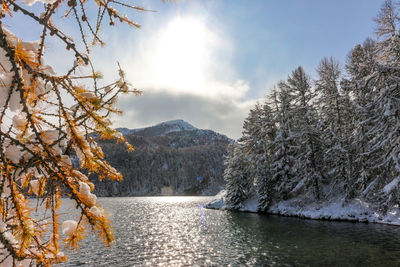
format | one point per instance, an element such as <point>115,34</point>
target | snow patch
<point>390,186</point>
<point>35,185</point>
<point>126,131</point>
<point>179,125</point>
<point>250,205</point>
<point>218,202</point>
<point>96,211</point>
<point>69,226</point>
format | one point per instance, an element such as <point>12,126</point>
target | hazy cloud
<point>185,69</point>
<point>224,115</point>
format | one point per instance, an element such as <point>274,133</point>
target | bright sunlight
<point>182,53</point>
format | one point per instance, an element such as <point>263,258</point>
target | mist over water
<point>177,231</point>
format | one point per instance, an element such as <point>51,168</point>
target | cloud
<point>224,115</point>
<point>185,69</point>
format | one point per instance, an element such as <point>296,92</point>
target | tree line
<point>337,136</point>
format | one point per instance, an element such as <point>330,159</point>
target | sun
<point>181,53</point>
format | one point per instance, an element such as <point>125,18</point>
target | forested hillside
<point>336,137</point>
<point>169,158</point>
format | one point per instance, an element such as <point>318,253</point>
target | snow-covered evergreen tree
<point>259,131</point>
<point>236,177</point>
<point>360,65</point>
<point>384,131</point>
<point>339,139</point>
<point>335,110</point>
<point>306,134</point>
<point>252,143</point>
<point>265,182</point>
<point>283,172</point>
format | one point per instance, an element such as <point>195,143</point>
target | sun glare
<point>181,55</point>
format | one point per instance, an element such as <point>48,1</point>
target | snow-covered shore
<point>355,211</point>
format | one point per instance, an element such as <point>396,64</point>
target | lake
<point>177,231</point>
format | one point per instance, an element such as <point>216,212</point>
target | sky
<point>209,61</point>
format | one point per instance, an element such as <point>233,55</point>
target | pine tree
<point>335,109</point>
<point>306,133</point>
<point>283,168</point>
<point>384,110</point>
<point>238,184</point>
<point>265,182</point>
<point>341,139</point>
<point>252,144</point>
<point>258,131</point>
<point>358,86</point>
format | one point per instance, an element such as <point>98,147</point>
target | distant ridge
<point>173,126</point>
<point>162,128</point>
<point>172,156</point>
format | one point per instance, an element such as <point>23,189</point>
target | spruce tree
<point>306,134</point>
<point>265,182</point>
<point>340,139</point>
<point>282,158</point>
<point>384,135</point>
<point>360,67</point>
<point>335,108</point>
<point>237,182</point>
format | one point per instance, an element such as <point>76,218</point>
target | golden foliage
<point>72,241</point>
<point>40,132</point>
<point>24,55</point>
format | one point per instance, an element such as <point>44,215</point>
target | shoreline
<point>354,211</point>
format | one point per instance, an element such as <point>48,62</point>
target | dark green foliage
<point>190,162</point>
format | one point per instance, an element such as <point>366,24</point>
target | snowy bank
<point>355,211</point>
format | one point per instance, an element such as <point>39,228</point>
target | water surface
<point>170,231</point>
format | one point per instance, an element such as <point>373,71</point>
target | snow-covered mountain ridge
<point>177,128</point>
<point>162,128</point>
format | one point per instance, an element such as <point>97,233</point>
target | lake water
<point>177,231</point>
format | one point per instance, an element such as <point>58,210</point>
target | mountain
<point>170,158</point>
<point>160,129</point>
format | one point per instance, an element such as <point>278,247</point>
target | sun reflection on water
<point>169,231</point>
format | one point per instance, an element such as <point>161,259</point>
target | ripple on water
<point>168,231</point>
